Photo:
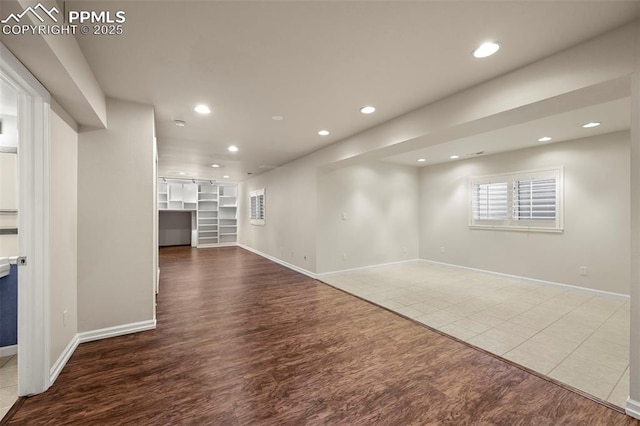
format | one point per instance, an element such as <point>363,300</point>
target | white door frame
<point>33,225</point>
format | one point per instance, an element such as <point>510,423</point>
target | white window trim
<point>556,226</point>
<point>258,221</point>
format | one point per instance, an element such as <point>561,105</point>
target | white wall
<point>379,202</point>
<point>9,136</point>
<point>290,201</point>
<point>596,216</point>
<point>63,239</point>
<point>116,210</point>
<point>8,201</point>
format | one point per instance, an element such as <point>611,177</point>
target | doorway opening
<point>28,127</point>
<point>8,246</point>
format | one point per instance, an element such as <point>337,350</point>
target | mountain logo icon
<point>38,11</point>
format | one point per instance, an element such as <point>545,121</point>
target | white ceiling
<point>614,116</point>
<point>315,63</point>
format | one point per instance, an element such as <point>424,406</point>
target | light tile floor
<point>8,383</point>
<point>577,338</point>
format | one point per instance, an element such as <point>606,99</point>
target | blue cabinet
<point>9,308</point>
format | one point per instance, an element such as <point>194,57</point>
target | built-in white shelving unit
<point>208,233</point>
<point>228,215</point>
<point>215,205</point>
<point>176,195</point>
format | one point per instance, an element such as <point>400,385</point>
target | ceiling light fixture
<point>454,157</point>
<point>277,118</point>
<point>544,139</point>
<point>202,109</point>
<point>486,49</point>
<point>182,173</point>
<point>323,133</point>
<point>226,176</point>
<point>215,166</point>
<point>421,160</point>
<point>367,109</point>
<point>180,123</point>
<point>233,148</point>
<point>591,124</point>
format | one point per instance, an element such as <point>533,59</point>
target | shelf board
<point>229,207</point>
<point>227,234</point>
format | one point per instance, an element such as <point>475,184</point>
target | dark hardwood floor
<point>241,340</point>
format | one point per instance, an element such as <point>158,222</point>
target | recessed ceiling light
<point>421,160</point>
<point>182,173</point>
<point>226,176</point>
<point>277,118</point>
<point>180,123</point>
<point>590,125</point>
<point>233,148</point>
<point>454,157</point>
<point>367,109</point>
<point>215,166</point>
<point>486,49</point>
<point>544,139</point>
<point>202,109</point>
<point>323,133</point>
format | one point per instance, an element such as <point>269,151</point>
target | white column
<point>633,403</point>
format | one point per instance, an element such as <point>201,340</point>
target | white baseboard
<point>217,245</point>
<point>633,408</point>
<point>119,330</point>
<point>280,262</point>
<point>9,350</point>
<point>603,293</point>
<point>89,336</point>
<point>363,268</point>
<point>63,359</point>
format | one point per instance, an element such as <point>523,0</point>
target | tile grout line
<point>584,340</point>
<point>618,382</point>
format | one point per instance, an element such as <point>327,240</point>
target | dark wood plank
<point>241,340</point>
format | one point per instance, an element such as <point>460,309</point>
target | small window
<point>490,201</point>
<point>525,201</point>
<point>534,199</point>
<point>257,207</point>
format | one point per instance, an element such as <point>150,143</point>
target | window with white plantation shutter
<point>490,201</point>
<point>534,199</point>
<point>523,201</point>
<point>257,207</point>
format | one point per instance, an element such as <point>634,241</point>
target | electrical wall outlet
<point>583,271</point>
<point>442,250</point>
<point>344,256</point>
